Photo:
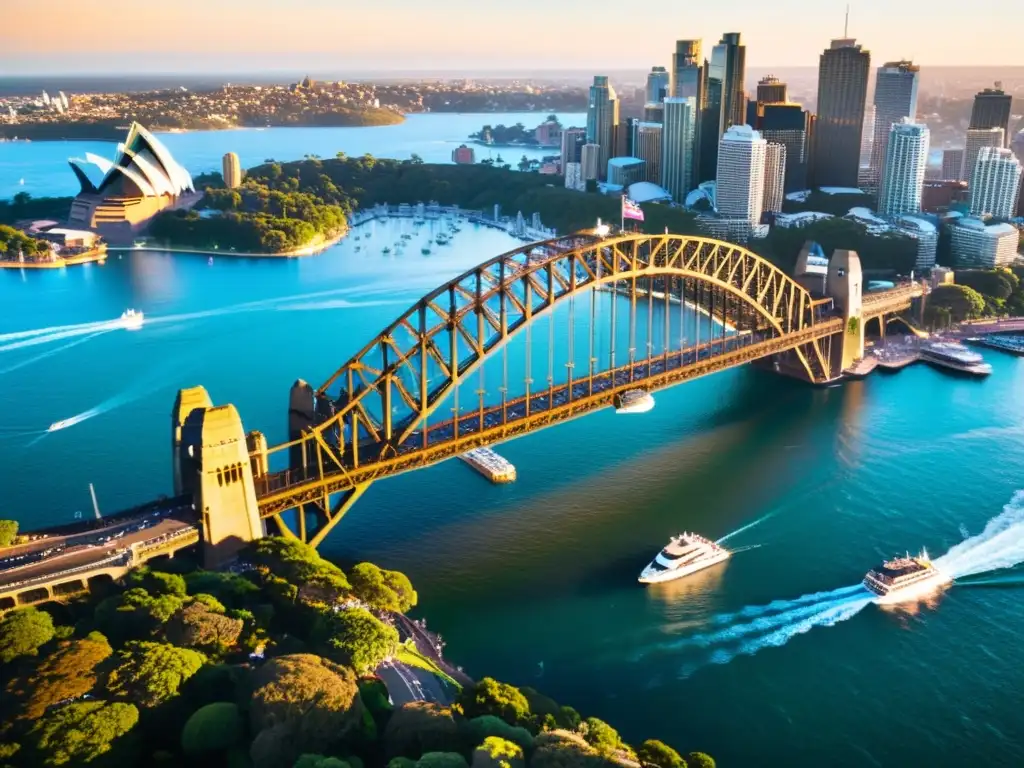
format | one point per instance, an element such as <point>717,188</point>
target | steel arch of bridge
<point>456,327</point>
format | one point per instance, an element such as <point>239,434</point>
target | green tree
<point>496,752</point>
<point>489,697</point>
<point>524,164</point>
<point>357,638</point>
<point>319,761</point>
<point>477,730</point>
<point>380,589</point>
<point>699,760</point>
<point>656,754</point>
<point>69,672</point>
<point>82,732</point>
<point>8,532</point>
<point>962,302</point>
<point>230,588</point>
<point>415,159</point>
<point>198,626</point>
<point>601,736</point>
<point>216,727</point>
<point>216,682</point>
<point>442,760</point>
<point>420,727</point>
<point>302,703</point>
<point>23,631</point>
<point>134,614</point>
<point>298,563</point>
<point>151,673</point>
<point>561,749</point>
<point>156,583</point>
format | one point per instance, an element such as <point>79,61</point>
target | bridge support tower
<point>212,461</point>
<point>845,284</point>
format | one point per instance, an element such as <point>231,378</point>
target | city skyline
<point>191,39</point>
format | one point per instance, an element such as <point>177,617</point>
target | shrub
<point>489,697</point>
<point>699,760</point>
<point>496,752</point>
<point>601,736</point>
<point>659,755</point>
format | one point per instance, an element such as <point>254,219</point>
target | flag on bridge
<point>631,210</point>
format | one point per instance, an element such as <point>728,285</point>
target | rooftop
<point>646,192</point>
<point>625,162</point>
<point>969,222</point>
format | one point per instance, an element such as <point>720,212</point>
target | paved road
<point>406,684</point>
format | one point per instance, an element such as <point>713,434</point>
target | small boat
<point>386,250</point>
<point>634,401</point>
<point>58,425</point>
<point>210,261</point>
<point>905,578</point>
<point>425,251</point>
<point>684,554</point>
<point>358,248</point>
<point>132,320</point>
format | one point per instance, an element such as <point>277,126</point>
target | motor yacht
<point>132,320</point>
<point>951,354</point>
<point>634,401</point>
<point>684,554</point>
<point>905,578</point>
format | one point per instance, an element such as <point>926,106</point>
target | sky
<point>225,36</point>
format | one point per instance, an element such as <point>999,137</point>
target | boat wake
<point>747,527</point>
<point>1000,545</point>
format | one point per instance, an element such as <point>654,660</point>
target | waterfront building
<point>995,183</point>
<point>623,171</point>
<point>903,172</point>
<point>548,133</point>
<point>952,162</point>
<point>925,234</point>
<point>843,71</point>
<point>740,177</point>
<point>463,155</point>
<point>602,118</point>
<point>574,177</point>
<point>590,160</point>
<point>896,86</point>
<point>647,146</point>
<point>573,140</point>
<point>657,85</point>
<point>231,170</point>
<point>792,126</point>
<point>679,146</point>
<point>142,180</point>
<point>974,243</point>
<point>976,139</point>
<point>771,90</point>
<point>991,109</point>
<point>774,177</point>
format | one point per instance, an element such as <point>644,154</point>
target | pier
<point>495,468</point>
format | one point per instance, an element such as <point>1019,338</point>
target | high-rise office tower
<point>678,146</point>
<point>843,71</point>
<point>976,139</point>
<point>689,80</point>
<point>867,137</point>
<point>728,60</point>
<point>657,85</point>
<point>654,112</point>
<point>1018,150</point>
<point>740,176</point>
<point>952,162</point>
<point>232,170</point>
<point>992,110</point>
<point>625,143</point>
<point>647,146</point>
<point>590,156</point>
<point>906,156</point>
<point>774,177</point>
<point>573,140</point>
<point>789,125</point>
<point>771,90</point>
<point>995,183</point>
<point>896,86</point>
<point>602,118</point>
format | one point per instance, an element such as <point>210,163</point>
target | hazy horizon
<point>236,37</point>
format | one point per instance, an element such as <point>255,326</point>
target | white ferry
<point>905,578</point>
<point>132,320</point>
<point>685,554</point>
<point>951,354</point>
<point>634,401</point>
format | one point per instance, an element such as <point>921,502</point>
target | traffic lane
<point>406,684</point>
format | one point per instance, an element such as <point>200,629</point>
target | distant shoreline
<point>96,254</point>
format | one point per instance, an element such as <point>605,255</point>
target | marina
<point>489,464</point>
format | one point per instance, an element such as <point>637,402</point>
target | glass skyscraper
<point>657,85</point>
<point>843,71</point>
<point>906,156</point>
<point>992,110</point>
<point>895,99</point>
<point>602,119</point>
<point>678,146</point>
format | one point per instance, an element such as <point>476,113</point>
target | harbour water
<point>42,165</point>
<point>773,658</point>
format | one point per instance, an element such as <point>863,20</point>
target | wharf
<point>1013,345</point>
<point>495,468</point>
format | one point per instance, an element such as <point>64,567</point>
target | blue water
<point>43,164</point>
<point>774,658</point>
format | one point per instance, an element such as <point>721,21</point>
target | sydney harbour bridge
<point>545,333</point>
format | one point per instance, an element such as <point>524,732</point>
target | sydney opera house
<point>119,197</point>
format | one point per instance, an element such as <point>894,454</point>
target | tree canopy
<point>82,732</point>
<point>197,625</point>
<point>8,532</point>
<point>420,727</point>
<point>489,697</point>
<point>656,754</point>
<point>358,638</point>
<point>69,672</point>
<point>961,302</point>
<point>381,589</point>
<point>216,727</point>
<point>601,736</point>
<point>496,752</point>
<point>151,673</point>
<point>23,631</point>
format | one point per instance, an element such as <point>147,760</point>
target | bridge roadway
<point>490,424</point>
<point>78,551</point>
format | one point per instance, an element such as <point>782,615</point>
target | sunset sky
<point>99,36</point>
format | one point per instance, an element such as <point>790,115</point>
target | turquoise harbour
<point>535,582</point>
